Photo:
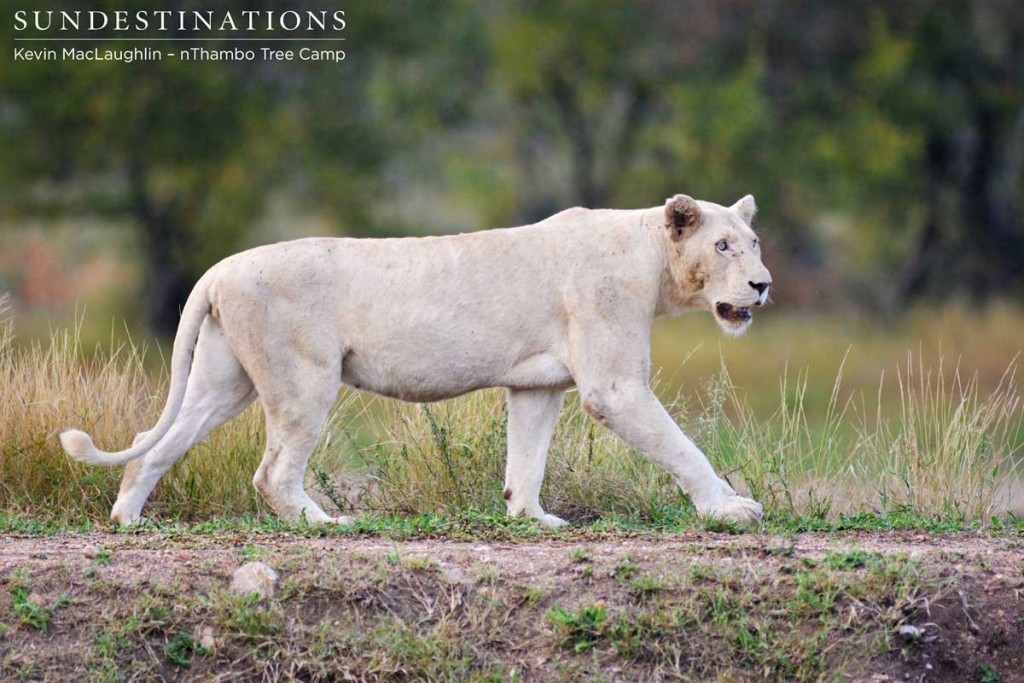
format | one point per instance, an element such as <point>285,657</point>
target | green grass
<point>644,587</point>
<point>182,649</point>
<point>28,611</point>
<point>579,555</point>
<point>777,628</point>
<point>474,525</point>
<point>579,629</point>
<point>930,444</point>
<point>988,674</point>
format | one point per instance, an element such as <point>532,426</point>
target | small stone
<point>910,632</point>
<point>454,573</point>
<point>206,638</point>
<point>254,577</point>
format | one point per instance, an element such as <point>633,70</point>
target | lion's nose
<point>761,286</point>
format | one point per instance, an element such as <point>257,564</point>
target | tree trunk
<point>577,128</point>
<point>167,288</point>
<point>166,280</point>
<point>924,254</point>
<point>987,209</point>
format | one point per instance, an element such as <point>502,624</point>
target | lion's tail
<point>79,445</point>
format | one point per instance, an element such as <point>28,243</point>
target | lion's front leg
<point>532,416</point>
<point>634,413</point>
<point>611,365</point>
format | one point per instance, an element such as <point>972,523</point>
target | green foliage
<point>645,586</point>
<point>180,650</point>
<point>580,629</point>
<point>109,644</point>
<point>579,555</point>
<point>854,559</point>
<point>421,564</point>
<point>878,137</point>
<point>626,569</point>
<point>245,615</point>
<point>29,612</point>
<point>532,595</point>
<point>988,674</point>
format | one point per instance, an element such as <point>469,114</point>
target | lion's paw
<point>342,520</point>
<point>551,521</point>
<point>121,516</point>
<point>126,522</point>
<point>735,509</point>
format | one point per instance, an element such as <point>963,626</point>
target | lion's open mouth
<point>733,314</point>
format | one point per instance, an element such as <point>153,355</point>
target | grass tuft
<point>581,629</point>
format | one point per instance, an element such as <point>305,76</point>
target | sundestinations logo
<point>185,35</point>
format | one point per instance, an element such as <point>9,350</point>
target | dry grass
<point>935,438</point>
<point>950,449</point>
<point>451,456</point>
<point>979,341</point>
<point>947,449</point>
<point>46,387</point>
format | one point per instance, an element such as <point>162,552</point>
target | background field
<point>874,408</point>
<point>886,425</point>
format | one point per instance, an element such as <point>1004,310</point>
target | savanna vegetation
<point>937,437</point>
<point>874,409</point>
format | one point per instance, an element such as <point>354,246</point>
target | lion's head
<point>716,259</point>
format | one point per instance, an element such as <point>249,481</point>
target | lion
<point>538,309</point>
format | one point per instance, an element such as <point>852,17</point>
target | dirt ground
<point>968,610</point>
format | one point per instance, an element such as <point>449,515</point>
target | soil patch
<point>697,606</point>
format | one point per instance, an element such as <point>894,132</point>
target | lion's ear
<point>682,216</point>
<point>746,208</point>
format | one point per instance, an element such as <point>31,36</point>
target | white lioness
<point>537,309</point>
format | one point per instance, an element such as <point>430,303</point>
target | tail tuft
<point>79,446</point>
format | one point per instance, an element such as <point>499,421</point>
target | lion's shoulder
<point>571,215</point>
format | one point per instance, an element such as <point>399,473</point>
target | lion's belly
<point>434,375</point>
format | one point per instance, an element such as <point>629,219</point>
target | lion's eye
<point>722,245</point>
<point>756,243</point>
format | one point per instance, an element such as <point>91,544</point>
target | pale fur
<point>536,309</point>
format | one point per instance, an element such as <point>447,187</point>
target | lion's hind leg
<point>218,390</point>
<point>532,416</point>
<point>296,405</point>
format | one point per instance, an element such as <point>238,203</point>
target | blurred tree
<point>179,147</point>
<point>575,70</point>
<point>884,141</point>
<point>962,90</point>
<point>913,117</point>
<point>411,75</point>
<point>189,151</point>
